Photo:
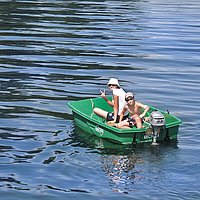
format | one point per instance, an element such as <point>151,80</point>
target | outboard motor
<point>157,121</point>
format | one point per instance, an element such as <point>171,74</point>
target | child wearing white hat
<point>118,102</point>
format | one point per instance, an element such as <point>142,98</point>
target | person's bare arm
<point>122,114</point>
<point>116,106</point>
<point>146,108</point>
<point>103,95</point>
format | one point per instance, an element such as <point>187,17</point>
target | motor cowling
<point>157,119</point>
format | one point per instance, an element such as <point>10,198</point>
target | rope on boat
<point>92,103</point>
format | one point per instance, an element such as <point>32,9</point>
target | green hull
<point>85,119</point>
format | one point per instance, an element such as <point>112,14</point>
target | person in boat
<point>118,102</point>
<point>136,115</point>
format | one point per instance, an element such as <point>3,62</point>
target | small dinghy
<point>160,126</point>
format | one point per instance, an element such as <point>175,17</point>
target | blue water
<point>52,52</point>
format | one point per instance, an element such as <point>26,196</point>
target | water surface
<point>52,52</point>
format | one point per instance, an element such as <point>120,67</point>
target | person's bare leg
<point>123,124</point>
<point>138,122</point>
<point>100,112</point>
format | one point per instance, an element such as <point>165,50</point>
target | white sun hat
<point>113,81</point>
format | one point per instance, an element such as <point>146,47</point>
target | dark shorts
<point>110,117</point>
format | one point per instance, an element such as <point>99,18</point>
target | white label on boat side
<point>147,136</point>
<point>99,130</point>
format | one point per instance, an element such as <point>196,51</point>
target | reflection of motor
<point>157,121</point>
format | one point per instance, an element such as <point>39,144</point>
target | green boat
<point>161,126</point>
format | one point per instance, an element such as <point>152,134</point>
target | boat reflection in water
<point>127,166</point>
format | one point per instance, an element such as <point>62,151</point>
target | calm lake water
<point>52,52</point>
